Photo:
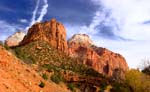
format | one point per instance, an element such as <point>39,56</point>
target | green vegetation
<point>71,87</point>
<point>6,47</point>
<point>57,78</point>
<point>45,76</point>
<point>103,86</point>
<point>1,43</point>
<point>27,58</point>
<point>138,81</point>
<point>42,84</point>
<point>146,70</point>
<point>42,53</point>
<point>120,87</point>
<point>146,66</point>
<point>135,81</point>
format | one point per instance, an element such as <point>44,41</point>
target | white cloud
<point>8,29</point>
<point>133,51</point>
<point>33,19</point>
<point>23,20</point>
<point>129,16</point>
<point>42,13</point>
<point>91,29</point>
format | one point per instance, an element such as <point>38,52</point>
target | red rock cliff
<point>52,32</point>
<point>102,60</point>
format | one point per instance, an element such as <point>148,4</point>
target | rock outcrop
<point>15,39</point>
<point>52,32</point>
<point>101,59</point>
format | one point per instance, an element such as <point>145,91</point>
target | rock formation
<point>52,32</point>
<point>101,59</point>
<point>15,39</point>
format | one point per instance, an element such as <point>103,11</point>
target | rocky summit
<point>101,59</point>
<point>51,31</point>
<point>15,39</point>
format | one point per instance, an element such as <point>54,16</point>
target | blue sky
<point>122,26</point>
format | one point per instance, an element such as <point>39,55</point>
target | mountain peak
<point>15,39</point>
<point>82,39</point>
<point>51,31</point>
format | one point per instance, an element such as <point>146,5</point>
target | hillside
<point>16,76</point>
<point>47,60</point>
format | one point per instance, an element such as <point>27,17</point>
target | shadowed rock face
<point>15,39</point>
<point>52,32</point>
<point>101,59</point>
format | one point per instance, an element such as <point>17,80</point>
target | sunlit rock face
<point>51,31</point>
<point>101,59</point>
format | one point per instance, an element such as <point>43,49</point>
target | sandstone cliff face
<point>15,39</point>
<point>101,59</point>
<point>52,32</point>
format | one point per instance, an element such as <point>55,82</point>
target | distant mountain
<point>15,39</point>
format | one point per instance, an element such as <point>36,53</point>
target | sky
<point>122,26</point>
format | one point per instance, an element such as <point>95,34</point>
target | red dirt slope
<point>15,76</point>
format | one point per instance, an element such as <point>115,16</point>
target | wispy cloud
<point>132,18</point>
<point>33,20</point>
<point>42,13</point>
<point>129,15</point>
<point>8,29</point>
<point>23,20</point>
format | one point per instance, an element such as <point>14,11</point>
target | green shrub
<point>71,87</point>
<point>6,47</point>
<point>138,81</point>
<point>27,58</point>
<point>42,84</point>
<point>57,78</point>
<point>45,76</point>
<point>103,86</point>
<point>1,43</point>
<point>117,87</point>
